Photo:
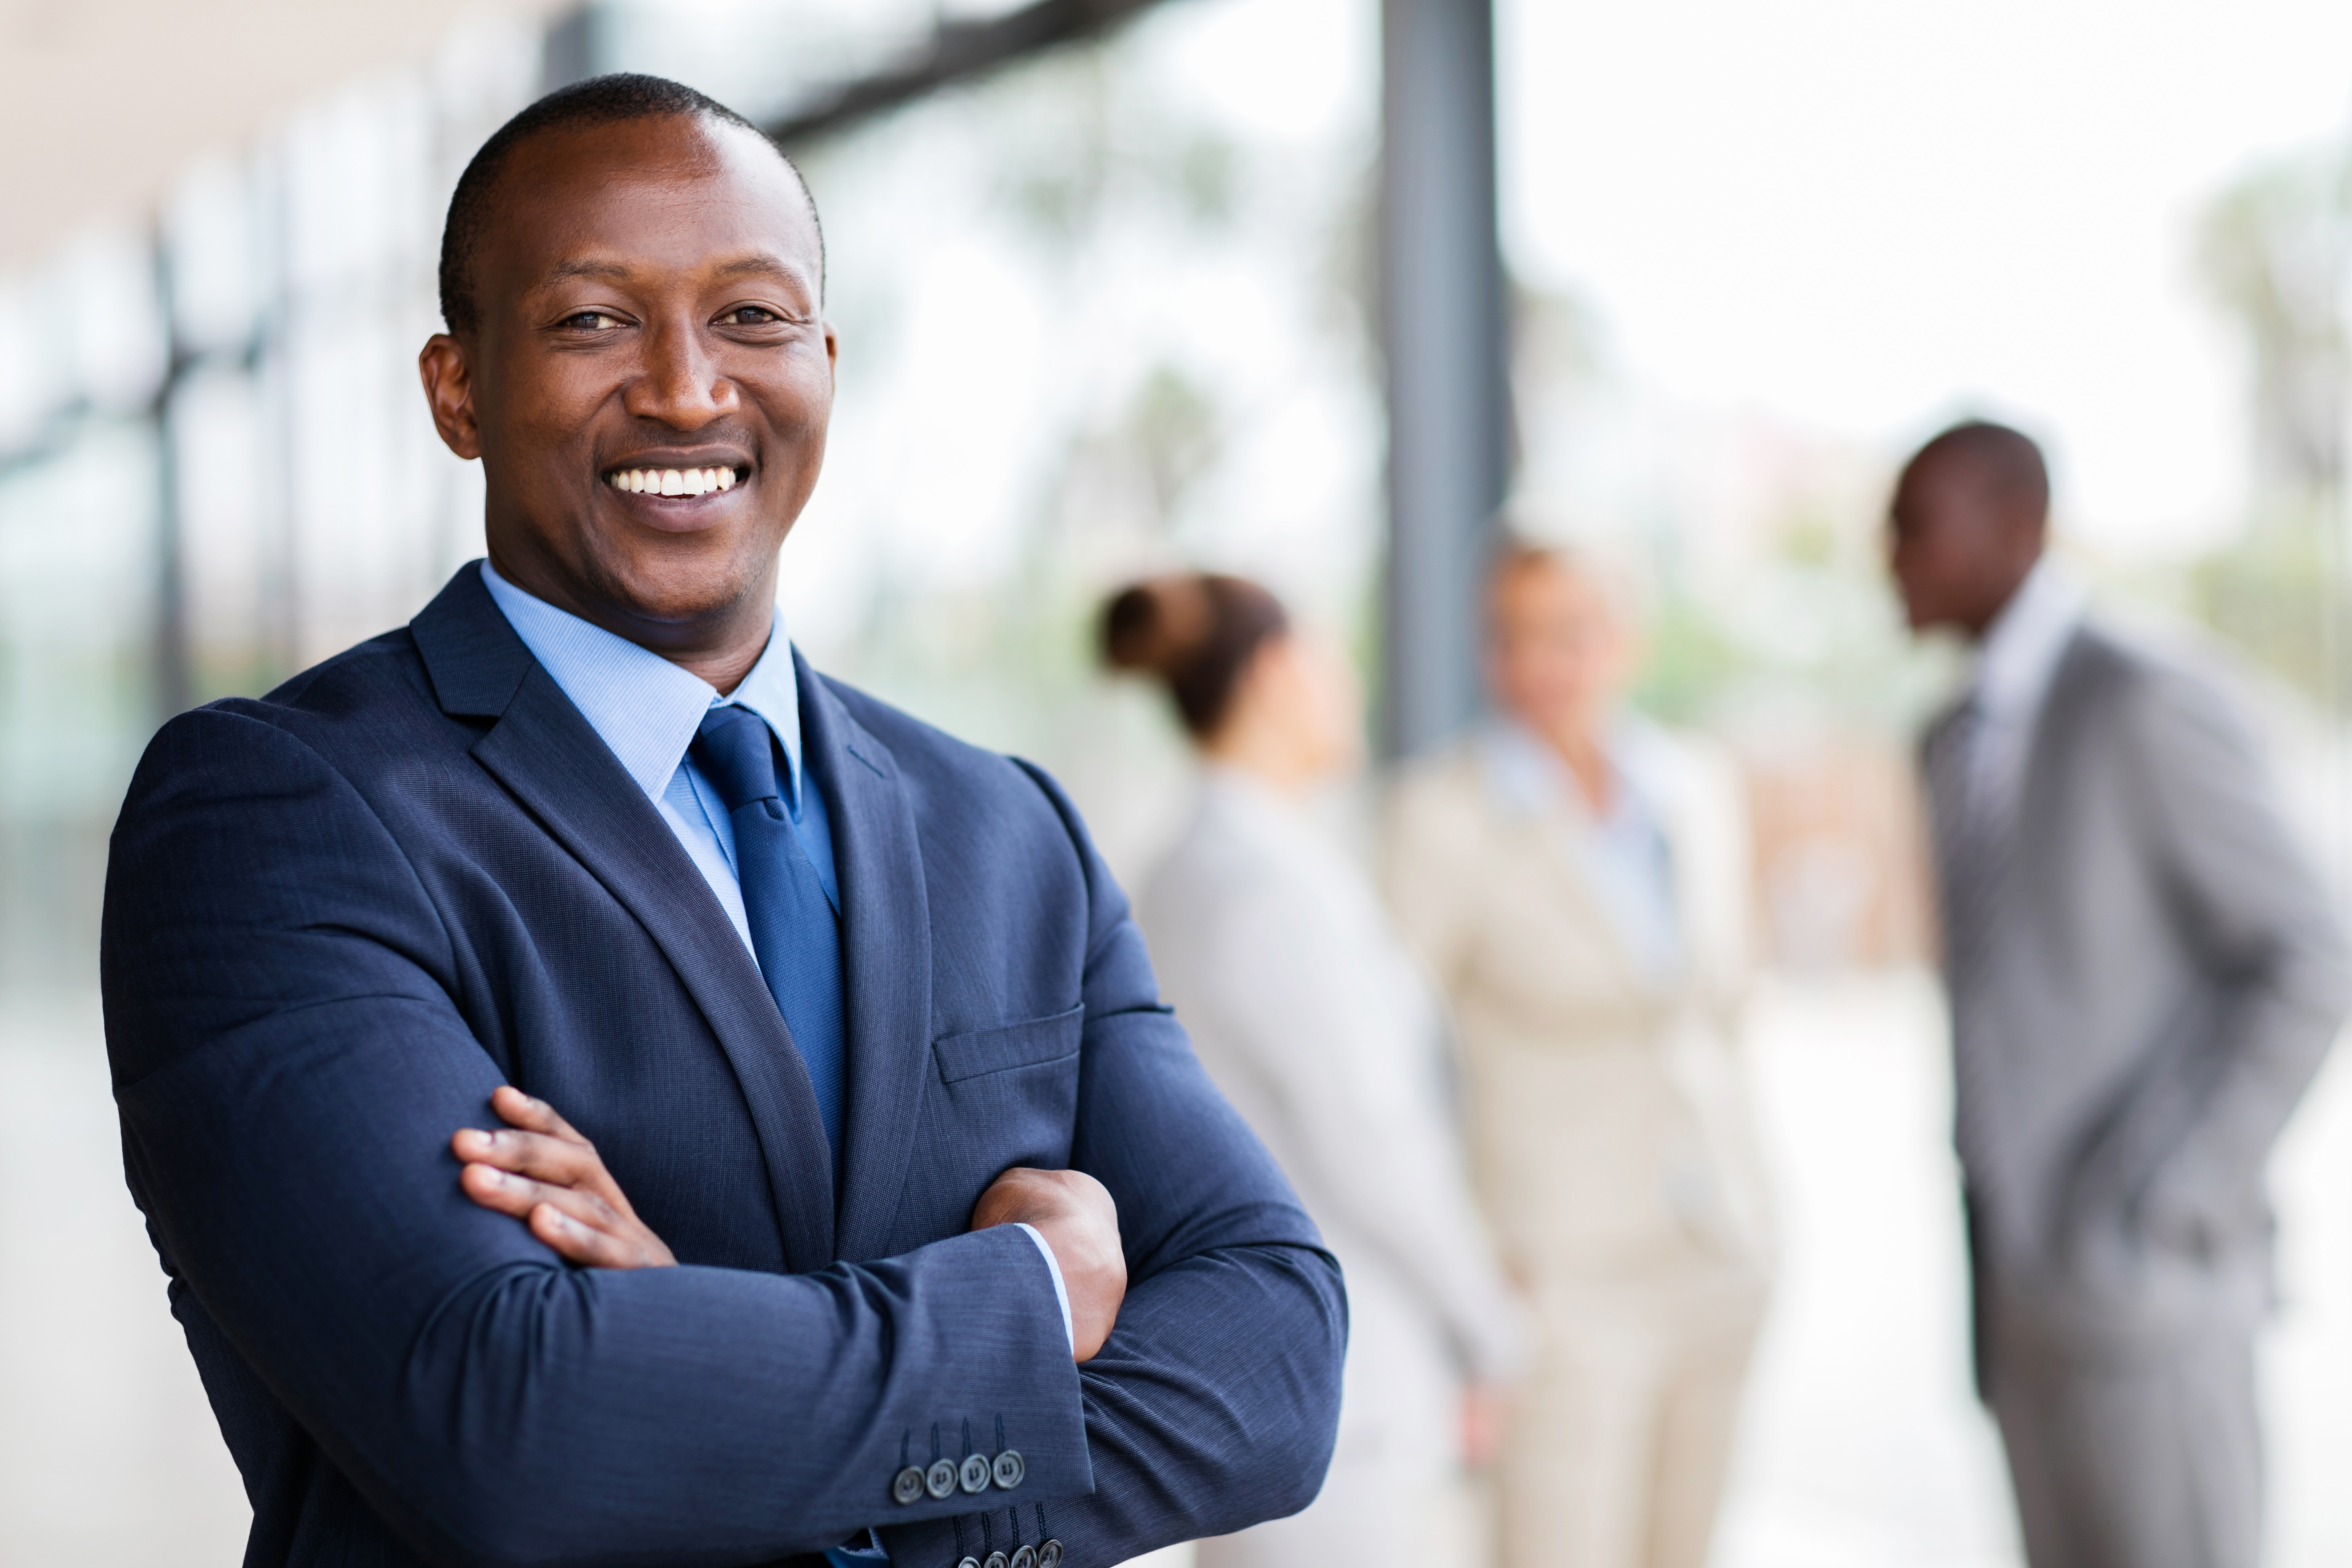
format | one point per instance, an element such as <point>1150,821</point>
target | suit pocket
<point>1005,1046</point>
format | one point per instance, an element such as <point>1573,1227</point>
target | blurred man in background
<point>1577,881</point>
<point>1318,1024</point>
<point>2144,977</point>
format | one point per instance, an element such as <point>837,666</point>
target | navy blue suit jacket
<point>338,917</point>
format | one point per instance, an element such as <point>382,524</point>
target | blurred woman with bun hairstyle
<point>1312,1018</point>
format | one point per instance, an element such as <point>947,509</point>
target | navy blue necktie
<point>793,929</point>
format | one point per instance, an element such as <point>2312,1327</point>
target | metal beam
<point>172,680</point>
<point>957,51</point>
<point>1443,333</point>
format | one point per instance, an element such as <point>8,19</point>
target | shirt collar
<point>643,707</point>
<point>1525,772</point>
<point>2022,647</point>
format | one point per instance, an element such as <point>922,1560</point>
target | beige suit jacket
<point>1609,1123</point>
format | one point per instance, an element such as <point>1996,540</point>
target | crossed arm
<point>290,1067</point>
<point>538,1169</point>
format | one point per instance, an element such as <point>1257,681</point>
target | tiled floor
<point>1863,1447</point>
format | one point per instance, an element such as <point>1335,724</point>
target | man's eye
<point>592,322</point>
<point>750,316</point>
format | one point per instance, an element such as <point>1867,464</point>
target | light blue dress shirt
<point>647,710</point>
<point>1623,854</point>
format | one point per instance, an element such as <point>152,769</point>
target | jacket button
<point>1009,1468</point>
<point>995,1559</point>
<point>975,1473</point>
<point>969,1562</point>
<point>940,1480</point>
<point>907,1486</point>
<point>1050,1555</point>
<point>1026,1557</point>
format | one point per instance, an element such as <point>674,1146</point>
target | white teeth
<point>672,482</point>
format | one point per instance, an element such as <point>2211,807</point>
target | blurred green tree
<point>2275,253</point>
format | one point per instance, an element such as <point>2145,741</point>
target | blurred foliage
<point>1075,131</point>
<point>2275,252</point>
<point>2280,595</point>
<point>1171,430</point>
<point>1688,662</point>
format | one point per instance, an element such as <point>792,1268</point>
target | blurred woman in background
<point>1577,881</point>
<point>1313,1020</point>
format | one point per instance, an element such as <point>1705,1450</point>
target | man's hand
<point>1075,1216</point>
<point>547,1176</point>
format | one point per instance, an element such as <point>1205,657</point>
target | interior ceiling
<point>107,99</point>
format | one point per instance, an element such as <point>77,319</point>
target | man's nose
<point>680,385</point>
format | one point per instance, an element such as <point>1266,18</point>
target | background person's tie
<point>1972,858</point>
<point>794,932</point>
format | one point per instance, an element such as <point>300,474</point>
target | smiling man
<point>603,1092</point>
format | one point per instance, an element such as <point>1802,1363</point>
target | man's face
<point>1959,547</point>
<point>649,317</point>
<point>1558,650</point>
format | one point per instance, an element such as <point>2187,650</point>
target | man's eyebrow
<point>582,266</point>
<point>758,262</point>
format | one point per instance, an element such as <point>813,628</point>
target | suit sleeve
<point>2262,924</point>
<point>289,1066</point>
<point>1215,1402</point>
<point>1426,854</point>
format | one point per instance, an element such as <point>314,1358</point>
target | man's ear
<point>448,378</point>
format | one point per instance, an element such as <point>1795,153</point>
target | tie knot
<point>738,753</point>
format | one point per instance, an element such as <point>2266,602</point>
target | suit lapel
<point>885,958</point>
<point>2074,685</point>
<point>552,761</point>
<point>1551,836</point>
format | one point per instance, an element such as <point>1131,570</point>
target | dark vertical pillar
<point>173,682</point>
<point>574,48</point>
<point>1443,328</point>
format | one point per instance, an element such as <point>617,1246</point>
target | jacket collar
<point>551,759</point>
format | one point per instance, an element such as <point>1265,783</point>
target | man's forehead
<point>669,192</point>
<point>1947,471</point>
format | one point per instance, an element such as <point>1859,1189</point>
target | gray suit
<point>2145,978</point>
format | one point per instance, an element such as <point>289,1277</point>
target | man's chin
<point>686,589</point>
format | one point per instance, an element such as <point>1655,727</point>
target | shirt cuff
<point>855,1556</point>
<point>1061,1292</point>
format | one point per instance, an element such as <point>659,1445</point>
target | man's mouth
<point>672,482</point>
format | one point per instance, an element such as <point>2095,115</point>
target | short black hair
<point>599,101</point>
<point>2009,460</point>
